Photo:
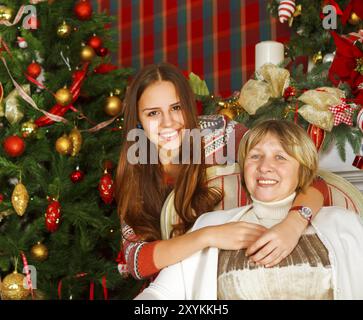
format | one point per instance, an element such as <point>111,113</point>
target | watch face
<point>306,212</point>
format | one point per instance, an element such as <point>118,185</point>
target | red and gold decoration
<point>20,199</point>
<point>75,89</point>
<point>95,42</point>
<point>289,93</point>
<point>83,10</point>
<point>29,129</point>
<point>64,30</point>
<point>76,139</point>
<point>14,146</point>
<point>113,105</point>
<point>106,188</point>
<point>87,53</point>
<point>34,70</point>
<point>77,175</point>
<point>12,287</point>
<point>39,252</point>
<point>63,145</point>
<point>53,215</point>
<point>317,135</point>
<point>343,113</point>
<point>316,104</point>
<point>64,96</point>
<point>286,10</point>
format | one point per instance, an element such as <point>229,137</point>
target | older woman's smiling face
<point>270,173</point>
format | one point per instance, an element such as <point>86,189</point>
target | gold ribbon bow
<point>272,82</point>
<point>317,103</point>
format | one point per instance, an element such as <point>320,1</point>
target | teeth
<point>267,181</point>
<point>169,135</point>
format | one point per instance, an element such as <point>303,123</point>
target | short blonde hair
<point>295,142</point>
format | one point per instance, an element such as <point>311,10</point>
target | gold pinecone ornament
<point>76,138</point>
<point>20,199</point>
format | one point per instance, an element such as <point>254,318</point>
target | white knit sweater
<point>194,278</point>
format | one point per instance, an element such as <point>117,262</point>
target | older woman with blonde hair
<point>277,159</point>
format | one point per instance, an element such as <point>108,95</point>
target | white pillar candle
<point>268,52</point>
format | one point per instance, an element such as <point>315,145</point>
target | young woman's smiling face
<point>161,116</point>
<point>270,173</point>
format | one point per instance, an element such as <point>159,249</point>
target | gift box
<point>358,162</point>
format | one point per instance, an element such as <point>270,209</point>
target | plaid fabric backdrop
<point>213,38</point>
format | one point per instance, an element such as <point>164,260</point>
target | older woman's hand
<point>277,243</point>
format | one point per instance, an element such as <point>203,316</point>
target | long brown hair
<point>140,190</point>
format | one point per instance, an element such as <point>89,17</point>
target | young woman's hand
<point>233,235</point>
<point>277,243</point>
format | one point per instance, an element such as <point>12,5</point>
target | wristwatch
<point>305,212</point>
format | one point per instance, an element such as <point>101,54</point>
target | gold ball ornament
<point>231,114</point>
<point>63,145</point>
<point>20,199</point>
<point>354,19</point>
<point>39,252</point>
<point>29,129</point>
<point>113,105</point>
<point>318,58</point>
<point>12,287</point>
<point>63,97</point>
<point>6,13</point>
<point>64,30</point>
<point>87,53</point>
<point>76,138</point>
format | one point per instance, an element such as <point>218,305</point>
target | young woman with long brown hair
<point>161,102</point>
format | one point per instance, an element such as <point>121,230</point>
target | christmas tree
<point>61,131</point>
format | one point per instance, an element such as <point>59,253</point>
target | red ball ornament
<point>34,70</point>
<point>14,146</point>
<point>53,216</point>
<point>317,135</point>
<point>95,42</point>
<point>83,10</point>
<point>102,52</point>
<point>289,93</point>
<point>106,188</point>
<point>77,176</point>
<point>1,197</point>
